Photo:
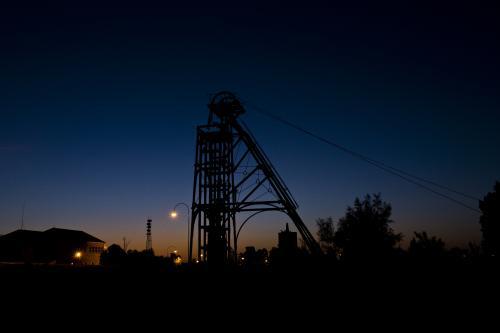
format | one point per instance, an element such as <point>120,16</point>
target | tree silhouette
<point>113,256</point>
<point>490,221</point>
<point>326,234</point>
<point>364,232</point>
<point>424,248</point>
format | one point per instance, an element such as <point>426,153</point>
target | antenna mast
<point>149,240</point>
<point>22,215</point>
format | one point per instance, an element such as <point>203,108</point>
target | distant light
<point>78,254</point>
<point>173,214</point>
<point>175,251</point>
<point>201,255</point>
<point>178,261</point>
<point>242,258</point>
<point>197,261</point>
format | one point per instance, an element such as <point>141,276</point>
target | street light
<point>78,257</point>
<point>173,214</point>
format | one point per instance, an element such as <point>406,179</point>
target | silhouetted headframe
<point>232,175</point>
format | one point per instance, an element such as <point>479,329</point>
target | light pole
<point>173,214</point>
<point>238,234</point>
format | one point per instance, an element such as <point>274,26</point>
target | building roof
<point>74,235</point>
<point>21,234</point>
<point>52,233</point>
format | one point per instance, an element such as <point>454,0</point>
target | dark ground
<point>390,297</point>
<point>392,281</point>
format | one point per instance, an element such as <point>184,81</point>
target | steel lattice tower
<point>149,240</point>
<point>233,176</point>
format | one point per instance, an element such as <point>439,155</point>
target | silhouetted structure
<point>288,255</point>
<point>62,246</point>
<point>254,260</point>
<point>149,240</point>
<point>23,246</point>
<point>287,242</point>
<point>233,175</point>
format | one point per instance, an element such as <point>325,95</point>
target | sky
<point>99,107</point>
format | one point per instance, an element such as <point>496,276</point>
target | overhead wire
<point>407,176</point>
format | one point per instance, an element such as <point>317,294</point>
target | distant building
<point>286,255</point>
<point>287,241</point>
<point>253,259</point>
<point>61,246</point>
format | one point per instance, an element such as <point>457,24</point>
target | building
<point>287,241</point>
<point>55,245</point>
<point>287,254</point>
<point>22,246</point>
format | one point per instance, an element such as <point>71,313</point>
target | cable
<point>465,195</point>
<point>389,169</point>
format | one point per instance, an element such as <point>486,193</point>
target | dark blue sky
<point>98,108</point>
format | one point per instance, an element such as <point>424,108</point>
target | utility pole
<point>126,243</point>
<point>22,215</point>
